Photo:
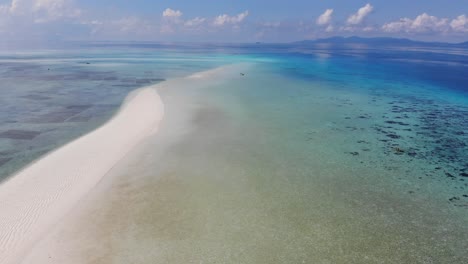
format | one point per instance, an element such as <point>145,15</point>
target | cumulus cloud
<point>53,19</point>
<point>422,23</point>
<point>222,20</point>
<point>460,24</point>
<point>170,13</point>
<point>173,22</point>
<point>325,18</point>
<point>41,10</point>
<point>404,24</point>
<point>171,19</point>
<point>360,15</point>
<point>425,22</point>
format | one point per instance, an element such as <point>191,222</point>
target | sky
<point>39,21</point>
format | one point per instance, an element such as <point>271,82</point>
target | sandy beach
<point>36,198</point>
<point>52,190</point>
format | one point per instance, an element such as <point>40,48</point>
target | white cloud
<point>426,22</point>
<point>170,13</point>
<point>195,22</point>
<point>422,23</point>
<point>171,20</point>
<point>41,10</point>
<point>404,24</point>
<point>221,20</point>
<point>325,18</point>
<point>360,15</point>
<point>25,19</point>
<point>460,24</point>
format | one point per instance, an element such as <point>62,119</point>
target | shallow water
<point>51,97</point>
<point>341,158</point>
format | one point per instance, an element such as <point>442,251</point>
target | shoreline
<point>223,181</point>
<point>70,239</point>
<point>38,196</point>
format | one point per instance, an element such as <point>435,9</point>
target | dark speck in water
<point>394,136</point>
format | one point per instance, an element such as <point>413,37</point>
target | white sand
<point>35,199</point>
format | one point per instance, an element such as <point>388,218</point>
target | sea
<point>286,153</point>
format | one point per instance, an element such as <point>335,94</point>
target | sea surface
<point>50,97</point>
<point>294,154</point>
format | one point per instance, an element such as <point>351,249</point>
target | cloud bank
<point>40,11</point>
<point>427,24</point>
<point>23,20</point>
<point>224,19</point>
<point>422,23</point>
<point>460,24</point>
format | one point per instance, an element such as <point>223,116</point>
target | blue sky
<point>230,21</point>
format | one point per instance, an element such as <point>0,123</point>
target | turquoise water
<point>51,97</point>
<point>320,155</point>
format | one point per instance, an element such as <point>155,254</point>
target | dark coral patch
<point>19,134</point>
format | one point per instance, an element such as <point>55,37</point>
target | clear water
<point>48,98</point>
<point>320,155</point>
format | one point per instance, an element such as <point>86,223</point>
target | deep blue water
<point>423,97</point>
